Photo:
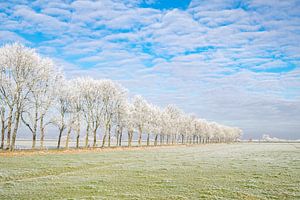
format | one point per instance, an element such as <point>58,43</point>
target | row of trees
<point>34,93</point>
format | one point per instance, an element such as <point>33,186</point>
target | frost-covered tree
<point>119,119</point>
<point>19,76</point>
<point>130,122</point>
<point>47,100</point>
<point>113,95</point>
<point>157,126</point>
<point>150,125</point>
<point>140,115</point>
<point>173,115</point>
<point>91,106</point>
<point>85,89</point>
<point>40,98</point>
<point>62,109</point>
<point>75,110</point>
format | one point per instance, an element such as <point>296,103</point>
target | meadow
<point>212,171</point>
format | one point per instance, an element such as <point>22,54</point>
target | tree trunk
<point>87,135</point>
<point>95,137</point>
<point>105,134</point>
<point>2,135</point>
<point>129,138</point>
<point>129,143</point>
<point>68,137</point>
<point>148,139</point>
<point>9,126</point>
<point>33,139</point>
<point>160,139</point>
<point>140,136</point>
<point>42,132</point>
<point>2,129</point>
<point>182,139</point>
<point>167,139</point>
<point>103,140</point>
<point>78,132</point>
<point>59,137</point>
<point>155,140</point>
<point>173,139</point>
<point>14,136</point>
<point>77,137</point>
<point>120,137</point>
<point>34,129</point>
<point>109,135</point>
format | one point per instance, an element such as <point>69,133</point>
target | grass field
<point>215,171</point>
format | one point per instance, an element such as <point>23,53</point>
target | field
<point>214,171</point>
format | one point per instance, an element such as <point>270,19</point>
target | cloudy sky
<point>231,61</point>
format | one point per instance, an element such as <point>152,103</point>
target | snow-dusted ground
<point>214,171</point>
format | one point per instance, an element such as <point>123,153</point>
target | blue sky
<point>235,62</point>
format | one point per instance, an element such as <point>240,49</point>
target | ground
<point>214,171</point>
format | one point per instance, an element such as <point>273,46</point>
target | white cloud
<point>8,36</point>
<point>39,22</point>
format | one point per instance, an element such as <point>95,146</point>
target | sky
<point>231,61</point>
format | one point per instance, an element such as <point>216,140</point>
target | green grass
<point>217,171</point>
